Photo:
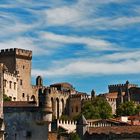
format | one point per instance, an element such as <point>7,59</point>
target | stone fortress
<point>60,98</point>
<point>33,101</point>
<point>17,84</point>
<point>120,93</point>
<point>63,97</point>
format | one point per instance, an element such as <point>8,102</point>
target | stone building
<point>120,93</point>
<point>10,85</point>
<point>106,130</point>
<point>1,103</point>
<point>75,103</point>
<point>65,100</point>
<point>17,84</point>
<point>18,79</point>
<point>27,120</point>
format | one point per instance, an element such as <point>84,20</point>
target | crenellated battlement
<point>54,90</point>
<point>80,96</point>
<point>64,122</point>
<point>10,74</point>
<point>122,85</point>
<point>69,125</point>
<point>114,88</point>
<point>17,52</point>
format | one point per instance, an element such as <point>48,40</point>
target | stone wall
<point>10,85</point>
<point>24,123</point>
<point>58,101</point>
<point>18,61</point>
<point>75,104</point>
<point>24,80</point>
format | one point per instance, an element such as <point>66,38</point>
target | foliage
<point>74,136</point>
<point>64,117</point>
<point>127,109</point>
<point>6,98</point>
<point>138,109</point>
<point>97,108</point>
<point>77,117</point>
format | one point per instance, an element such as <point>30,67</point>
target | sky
<point>88,43</point>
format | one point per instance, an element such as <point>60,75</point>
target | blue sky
<point>89,43</point>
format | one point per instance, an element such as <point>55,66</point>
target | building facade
<point>65,100</point>
<point>18,65</point>
<point>26,120</point>
<point>121,93</point>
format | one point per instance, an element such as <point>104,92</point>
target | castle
<point>64,98</point>
<point>57,99</point>
<point>37,102</point>
<point>17,84</point>
<point>121,93</point>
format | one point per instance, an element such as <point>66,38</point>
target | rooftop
<point>114,130</point>
<point>19,104</point>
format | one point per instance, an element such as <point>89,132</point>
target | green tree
<point>74,136</point>
<point>64,117</point>
<point>97,108</point>
<point>138,109</point>
<point>6,98</point>
<point>127,108</point>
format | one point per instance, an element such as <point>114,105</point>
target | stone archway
<point>57,108</point>
<point>62,106</point>
<point>53,105</point>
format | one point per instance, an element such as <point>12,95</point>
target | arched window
<point>23,95</point>
<point>76,108</point>
<point>63,108</point>
<point>10,84</point>
<point>57,108</point>
<point>33,98</point>
<point>39,81</point>
<point>5,83</point>
<point>14,85</point>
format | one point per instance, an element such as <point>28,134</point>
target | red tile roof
<point>19,104</point>
<point>114,129</point>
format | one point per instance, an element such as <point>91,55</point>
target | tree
<point>127,109</point>
<point>96,109</point>
<point>6,98</point>
<point>64,117</point>
<point>74,136</point>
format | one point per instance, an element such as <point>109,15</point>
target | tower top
<point>19,53</point>
<point>127,82</point>
<point>82,121</point>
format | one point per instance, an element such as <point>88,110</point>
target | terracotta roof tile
<point>114,129</point>
<point>19,104</point>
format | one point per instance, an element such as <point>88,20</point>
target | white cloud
<point>63,15</point>
<point>85,68</point>
<point>23,43</point>
<point>117,63</point>
<point>84,14</point>
<point>91,43</point>
<point>12,26</point>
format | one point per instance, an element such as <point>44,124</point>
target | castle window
<point>76,108</point>
<point>23,95</point>
<point>14,85</point>
<point>23,66</point>
<point>5,83</point>
<point>72,109</point>
<point>10,84</point>
<point>20,82</point>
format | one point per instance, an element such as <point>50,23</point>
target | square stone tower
<point>18,61</point>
